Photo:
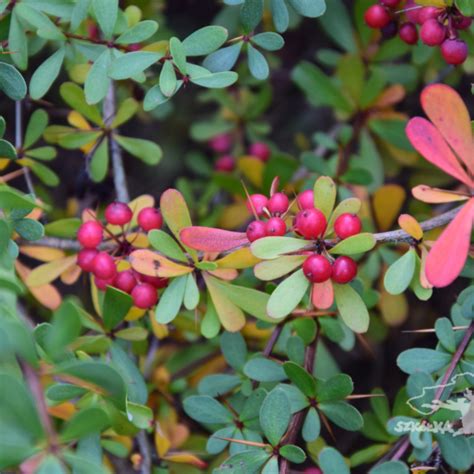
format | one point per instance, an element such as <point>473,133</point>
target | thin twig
<point>145,451</point>
<point>19,144</point>
<point>120,180</point>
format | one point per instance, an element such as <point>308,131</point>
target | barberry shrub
<point>236,236</point>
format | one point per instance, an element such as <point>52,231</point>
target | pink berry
<point>85,259</point>
<point>260,150</point>
<point>310,223</point>
<point>144,296</point>
<point>432,32</point>
<point>90,234</point>
<point>462,23</point>
<point>259,202</point>
<point>221,143</point>
<point>306,199</point>
<point>412,11</point>
<point>103,284</point>
<point>390,3</point>
<point>428,13</point>
<point>125,281</point>
<point>275,226</point>
<point>104,266</point>
<point>377,16</point>
<point>344,270</point>
<point>225,164</point>
<point>150,218</point>
<point>317,269</point>
<point>312,470</point>
<point>118,213</point>
<point>347,225</point>
<point>408,33</point>
<point>256,230</point>
<point>278,203</point>
<point>454,51</point>
<point>157,282</point>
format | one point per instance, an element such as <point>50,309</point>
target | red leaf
<point>445,108</point>
<point>428,141</point>
<point>323,295</point>
<point>208,239</point>
<point>448,255</point>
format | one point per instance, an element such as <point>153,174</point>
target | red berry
<point>412,11</point>
<point>306,199</point>
<point>90,234</point>
<point>225,163</point>
<point>256,230</point>
<point>317,269</point>
<point>157,282</point>
<point>278,203</point>
<point>347,225</point>
<point>428,13</point>
<point>454,51</point>
<point>310,223</point>
<point>377,16</point>
<point>344,270</point>
<point>312,470</point>
<point>104,266</point>
<point>125,281</point>
<point>275,226</point>
<point>103,284</point>
<point>144,296</point>
<point>85,259</point>
<point>221,143</point>
<point>150,218</point>
<point>408,33</point>
<point>259,201</point>
<point>260,150</point>
<point>462,23</point>
<point>432,32</point>
<point>118,213</point>
<point>390,3</point>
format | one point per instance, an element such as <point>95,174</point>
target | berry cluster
<point>103,264</point>
<point>222,145</point>
<point>437,26</point>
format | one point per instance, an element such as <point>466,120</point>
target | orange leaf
<point>448,255</point>
<point>411,226</point>
<point>44,254</point>
<point>151,263</point>
<point>423,280</point>
<point>429,142</point>
<point>241,258</point>
<point>208,239</point>
<point>162,443</point>
<point>446,109</point>
<point>48,272</point>
<point>227,274</point>
<point>387,202</point>
<point>322,295</point>
<point>186,458</point>
<point>64,411</point>
<point>76,120</point>
<point>435,195</point>
<point>391,96</point>
<point>71,275</point>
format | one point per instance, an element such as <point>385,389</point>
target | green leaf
<point>136,333</point>
<point>355,244</point>
<point>115,308</point>
<point>248,462</point>
<point>45,28</point>
<point>337,387</point>
<point>223,59</point>
<point>262,369</point>
<point>390,467</point>
<point>257,63</point>
<point>7,150</point>
<point>332,462</point>
<point>205,409</point>
<point>309,8</point>
<point>351,308</point>
<point>45,174</point>
<point>217,80</point>
<point>127,109</point>
<point>275,415</point>
<point>287,295</point>
<point>46,74</point>
<point>10,198</point>
<point>251,14</point>
<point>154,97</point>
<point>138,33</point>
<point>281,18</point>
<point>166,245</point>
<point>97,83</point>
<point>466,7</point>
<point>399,274</point>
<point>146,150</point>
<point>422,360</point>
<point>325,195</point>
<point>393,132</point>
<point>274,269</point>
<point>311,426</point>
<point>131,64</point>
<point>301,378</point>
<point>293,453</point>
<point>12,82</point>
<point>234,349</point>
<point>29,229</point>
<point>218,384</point>
<point>74,96</point>
<point>337,24</point>
<point>84,423</point>
<point>18,42</point>
<point>99,164</point>
<point>36,126</point>
<point>140,415</point>
<point>79,14</point>
<point>61,392</point>
<point>50,465</point>
<point>106,12</point>
<point>191,293</point>
<point>171,300</point>
<point>269,41</point>
<point>205,40</point>
<point>272,247</point>
<point>45,153</point>
<point>168,80</point>
<point>178,54</point>
<point>455,451</point>
<point>343,415</point>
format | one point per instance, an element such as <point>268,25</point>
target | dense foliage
<point>235,236</point>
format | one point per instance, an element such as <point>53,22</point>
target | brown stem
<point>19,143</point>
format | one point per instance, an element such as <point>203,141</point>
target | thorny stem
<point>19,143</point>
